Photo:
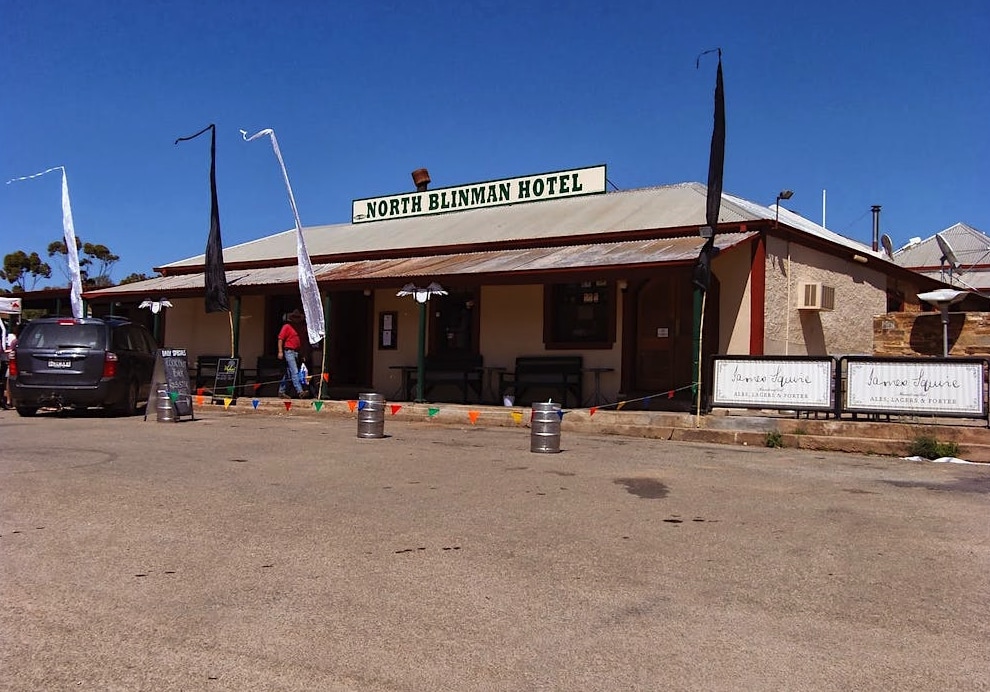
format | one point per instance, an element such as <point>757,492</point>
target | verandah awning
<point>624,254</point>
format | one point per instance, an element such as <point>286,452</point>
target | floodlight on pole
<point>421,295</point>
<point>943,298</point>
<point>783,194</point>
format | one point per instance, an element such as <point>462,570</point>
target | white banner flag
<point>69,233</point>
<point>309,291</point>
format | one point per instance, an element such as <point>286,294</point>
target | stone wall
<point>920,334</point>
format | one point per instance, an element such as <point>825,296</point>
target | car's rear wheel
<point>27,411</point>
<point>128,407</point>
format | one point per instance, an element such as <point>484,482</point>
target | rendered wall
<point>189,326</point>
<point>732,271</point>
<point>860,294</point>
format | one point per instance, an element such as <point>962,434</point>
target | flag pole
<point>701,274</point>
<point>69,234</point>
<point>214,274</point>
<point>701,336</point>
<point>309,290</point>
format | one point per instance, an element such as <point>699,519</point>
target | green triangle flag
<point>318,404</point>
<point>173,396</point>
<point>432,411</point>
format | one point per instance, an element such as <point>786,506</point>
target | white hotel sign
<point>767,383</point>
<point>915,387</point>
<point>530,188</point>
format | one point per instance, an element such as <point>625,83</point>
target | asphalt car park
<point>246,551</point>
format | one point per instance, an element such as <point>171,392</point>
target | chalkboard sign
<point>172,368</point>
<point>225,384</point>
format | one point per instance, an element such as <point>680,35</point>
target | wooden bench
<point>535,377</point>
<point>206,372</point>
<point>269,371</point>
<point>464,373</point>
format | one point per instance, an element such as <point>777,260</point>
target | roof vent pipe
<point>876,226</point>
<point>421,178</point>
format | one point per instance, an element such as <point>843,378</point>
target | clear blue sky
<point>876,102</point>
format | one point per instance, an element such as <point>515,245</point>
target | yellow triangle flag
<point>517,416</point>
<point>226,402</point>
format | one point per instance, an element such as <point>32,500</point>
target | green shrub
<point>773,439</point>
<point>930,448</point>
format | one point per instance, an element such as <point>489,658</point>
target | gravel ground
<point>281,552</point>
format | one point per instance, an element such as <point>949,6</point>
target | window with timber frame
<point>579,315</point>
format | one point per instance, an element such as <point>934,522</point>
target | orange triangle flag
<point>593,410</point>
<point>326,377</point>
<point>473,417</point>
<point>199,400</point>
<point>351,404</point>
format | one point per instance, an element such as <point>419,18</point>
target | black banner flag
<point>215,276</point>
<point>716,163</point>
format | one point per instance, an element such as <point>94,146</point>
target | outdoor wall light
<point>422,294</point>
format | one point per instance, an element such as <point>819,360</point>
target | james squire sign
<point>769,383</point>
<point>530,188</point>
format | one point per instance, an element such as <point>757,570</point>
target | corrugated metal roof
<point>671,206</point>
<point>534,260</point>
<point>970,246</point>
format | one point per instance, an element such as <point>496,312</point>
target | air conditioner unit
<point>814,295</point>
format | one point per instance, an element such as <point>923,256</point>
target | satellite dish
<point>888,246</point>
<point>947,254</point>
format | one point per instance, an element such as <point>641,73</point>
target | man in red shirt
<point>289,347</point>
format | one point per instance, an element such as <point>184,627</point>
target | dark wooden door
<point>664,325</point>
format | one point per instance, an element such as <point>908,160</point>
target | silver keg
<point>371,415</point>
<point>164,409</point>
<point>544,436</point>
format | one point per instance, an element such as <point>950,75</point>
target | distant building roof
<point>971,248</point>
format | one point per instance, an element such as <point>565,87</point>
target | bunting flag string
<point>309,291</point>
<point>69,234</point>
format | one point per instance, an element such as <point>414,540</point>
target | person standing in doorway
<point>289,349</point>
